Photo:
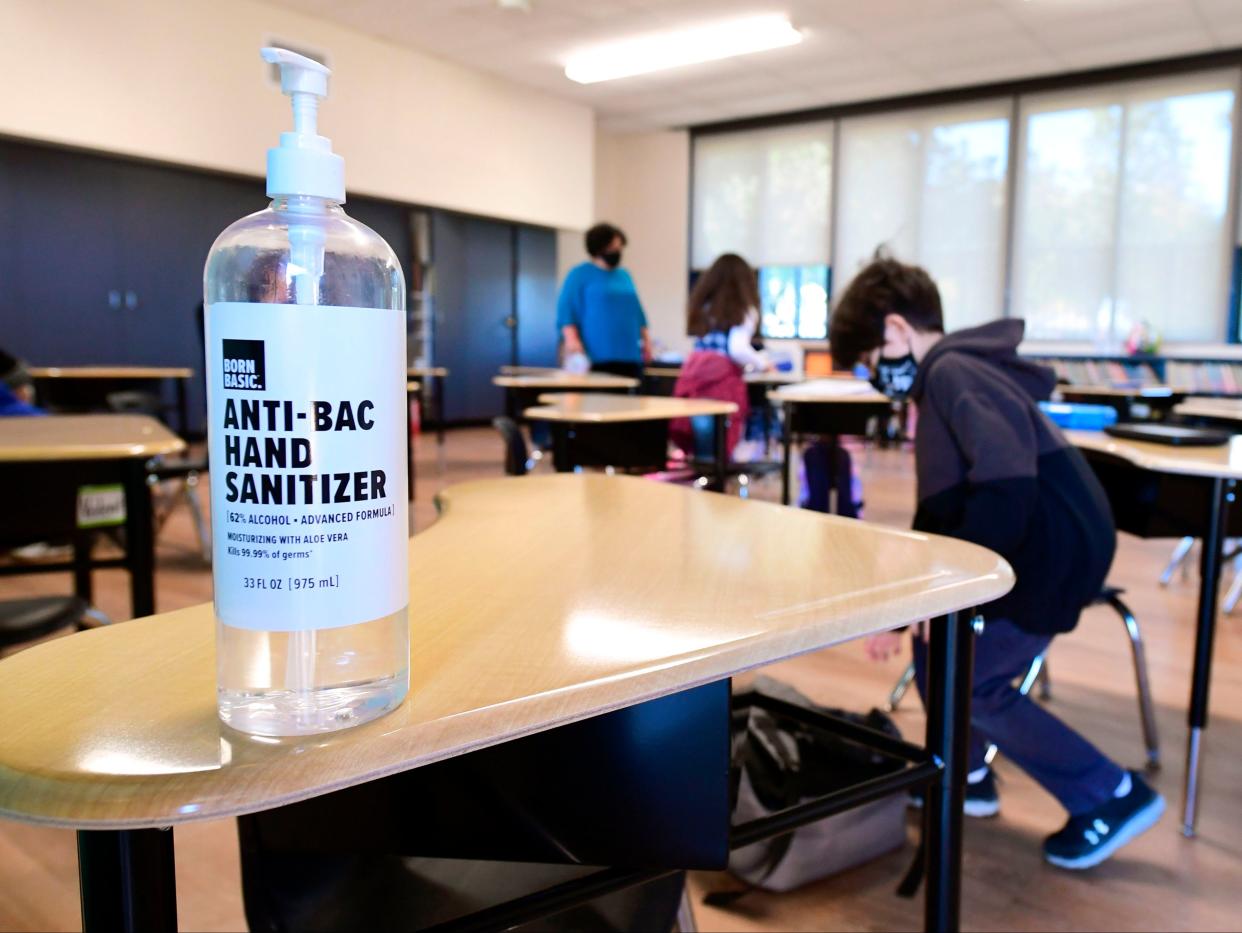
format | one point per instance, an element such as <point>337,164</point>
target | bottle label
<point>308,425</point>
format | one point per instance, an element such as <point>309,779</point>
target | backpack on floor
<point>778,763</point>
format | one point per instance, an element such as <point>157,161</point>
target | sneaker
<point>981,800</point>
<point>1090,838</point>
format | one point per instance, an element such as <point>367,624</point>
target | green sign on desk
<point>101,506</point>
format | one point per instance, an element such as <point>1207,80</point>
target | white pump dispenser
<point>303,163</point>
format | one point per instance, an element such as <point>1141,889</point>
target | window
<point>766,195</point>
<point>795,301</point>
<point>1122,213</point>
<point>929,187</point>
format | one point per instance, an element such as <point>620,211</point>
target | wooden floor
<point>1161,882</point>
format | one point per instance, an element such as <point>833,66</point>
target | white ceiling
<point>853,49</point>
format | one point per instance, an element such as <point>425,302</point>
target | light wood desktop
<point>427,371</point>
<point>559,379</point>
<point>1223,411</point>
<point>1159,490</point>
<point>85,437</point>
<point>594,408</point>
<point>45,462</point>
<point>661,588</point>
<point>111,372</point>
<point>1224,461</point>
<point>662,592</point>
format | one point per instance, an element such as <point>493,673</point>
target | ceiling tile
<point>852,50</point>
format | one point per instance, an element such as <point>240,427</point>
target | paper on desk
<point>833,388</point>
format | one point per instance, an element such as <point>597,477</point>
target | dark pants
<point>822,476</point>
<point>633,370</point>
<point>1058,758</point>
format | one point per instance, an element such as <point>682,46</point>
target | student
<point>16,388</point>
<point>598,312</point>
<point>722,315</point>
<point>992,469</point>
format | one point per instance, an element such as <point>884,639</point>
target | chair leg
<point>1178,559</point>
<point>1230,601</point>
<point>900,688</point>
<point>685,913</point>
<point>1147,712</point>
<point>1045,680</point>
<point>196,513</point>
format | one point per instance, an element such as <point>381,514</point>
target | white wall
<point>182,82</point>
<point>642,184</point>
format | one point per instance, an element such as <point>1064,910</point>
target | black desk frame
<point>1153,504</point>
<point>72,394</point>
<point>128,881</point>
<point>52,511</point>
<point>630,445</point>
<point>829,418</point>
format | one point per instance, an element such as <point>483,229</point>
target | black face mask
<point>612,258</point>
<point>894,375</point>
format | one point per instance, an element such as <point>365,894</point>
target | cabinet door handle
<point>131,300</point>
<point>114,300</point>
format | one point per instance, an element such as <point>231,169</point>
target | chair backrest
<point>133,402</point>
<point>515,445</point>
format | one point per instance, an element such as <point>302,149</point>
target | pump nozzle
<point>304,163</point>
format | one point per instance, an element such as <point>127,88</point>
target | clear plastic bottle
<point>308,650</point>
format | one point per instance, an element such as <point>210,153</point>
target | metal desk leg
<point>786,449</point>
<point>409,443</point>
<point>560,447</point>
<point>128,880</point>
<point>720,424</point>
<point>950,671</point>
<point>183,407</point>
<point>83,585</point>
<point>139,539</point>
<point>439,382</point>
<point>1209,586</point>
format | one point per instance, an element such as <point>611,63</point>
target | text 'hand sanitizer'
<point>307,417</point>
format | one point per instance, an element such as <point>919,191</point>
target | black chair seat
<point>24,620</point>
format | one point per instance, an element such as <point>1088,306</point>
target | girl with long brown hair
<point>723,311</point>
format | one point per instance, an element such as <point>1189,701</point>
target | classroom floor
<point>1161,882</point>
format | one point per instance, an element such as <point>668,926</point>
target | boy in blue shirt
<point>598,312</point>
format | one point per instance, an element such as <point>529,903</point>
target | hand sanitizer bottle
<point>307,417</point>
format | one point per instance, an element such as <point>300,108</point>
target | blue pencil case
<point>1079,416</point>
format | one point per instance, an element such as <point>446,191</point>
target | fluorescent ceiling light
<point>657,52</point>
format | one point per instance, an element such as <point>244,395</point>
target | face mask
<point>612,258</point>
<point>894,375</point>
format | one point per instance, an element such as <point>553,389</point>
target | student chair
<point>517,456</point>
<point>185,471</point>
<point>1038,672</point>
<point>23,620</point>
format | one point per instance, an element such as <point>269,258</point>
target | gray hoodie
<point>993,470</point>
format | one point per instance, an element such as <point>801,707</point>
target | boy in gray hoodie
<point>993,470</point>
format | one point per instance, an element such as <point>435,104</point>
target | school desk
<point>1137,403</point>
<point>811,409</point>
<point>432,395</point>
<point>45,462</point>
<point>86,388</point>
<point>1161,491</point>
<point>522,390</point>
<point>1219,412</point>
<point>625,431</point>
<point>572,640</point>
